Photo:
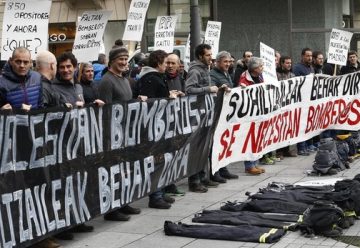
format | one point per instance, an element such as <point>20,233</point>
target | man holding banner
<point>302,69</point>
<point>114,87</point>
<point>253,75</point>
<point>199,82</point>
<point>20,87</point>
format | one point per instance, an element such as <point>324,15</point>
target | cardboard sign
<point>339,46</point>
<point>268,56</point>
<point>212,36</point>
<point>89,34</point>
<point>135,22</point>
<point>164,33</point>
<point>25,24</point>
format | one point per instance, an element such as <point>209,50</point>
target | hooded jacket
<point>17,90</point>
<point>198,78</point>
<point>151,84</point>
<point>69,91</point>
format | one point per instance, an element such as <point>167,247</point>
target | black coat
<point>153,85</point>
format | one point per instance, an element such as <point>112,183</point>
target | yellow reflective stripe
<point>301,219</point>
<point>349,213</point>
<point>263,237</point>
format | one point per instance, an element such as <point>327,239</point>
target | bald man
<point>173,78</point>
<point>46,66</point>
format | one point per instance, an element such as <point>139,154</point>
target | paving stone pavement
<point>146,230</point>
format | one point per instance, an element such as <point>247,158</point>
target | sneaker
<point>227,175</point>
<point>172,190</point>
<point>275,159</point>
<point>280,157</point>
<point>209,183</point>
<point>116,216</point>
<point>197,188</point>
<point>129,210</point>
<point>253,171</point>
<point>303,153</point>
<point>159,204</point>
<point>82,229</point>
<point>168,199</point>
<point>261,169</point>
<point>267,161</point>
<point>217,178</point>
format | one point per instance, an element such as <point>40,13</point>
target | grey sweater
<point>114,88</point>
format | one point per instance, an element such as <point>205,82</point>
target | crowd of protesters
<point>63,82</point>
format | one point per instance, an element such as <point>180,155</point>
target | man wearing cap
<point>114,87</point>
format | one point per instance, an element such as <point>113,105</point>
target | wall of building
<point>267,21</point>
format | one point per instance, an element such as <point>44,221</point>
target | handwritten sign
<point>25,24</point>
<point>135,21</point>
<point>339,46</point>
<point>164,33</point>
<point>89,33</point>
<point>212,36</point>
<point>268,56</point>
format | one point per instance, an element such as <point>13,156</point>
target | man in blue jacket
<point>20,87</point>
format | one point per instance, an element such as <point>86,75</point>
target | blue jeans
<point>157,195</point>
<point>302,146</point>
<point>249,164</point>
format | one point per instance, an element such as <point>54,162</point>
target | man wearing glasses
<point>20,87</point>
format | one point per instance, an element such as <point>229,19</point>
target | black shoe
<point>116,216</point>
<point>159,204</point>
<point>217,178</point>
<point>82,228</point>
<point>129,210</point>
<point>197,188</point>
<point>168,199</point>
<point>225,173</point>
<point>66,235</point>
<point>209,183</point>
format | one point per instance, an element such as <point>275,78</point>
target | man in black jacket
<point>152,84</point>
<point>353,65</point>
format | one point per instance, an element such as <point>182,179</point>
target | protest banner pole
<point>335,68</point>
<point>195,27</point>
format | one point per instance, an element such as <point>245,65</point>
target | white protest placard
<point>339,46</point>
<point>135,21</point>
<point>164,33</point>
<point>89,33</point>
<point>25,24</point>
<point>267,54</point>
<point>212,36</point>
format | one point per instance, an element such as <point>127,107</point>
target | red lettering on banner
<point>224,143</point>
<point>356,112</point>
<point>323,115</point>
<point>254,138</point>
<point>227,152</point>
<point>272,131</point>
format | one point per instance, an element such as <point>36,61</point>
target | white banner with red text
<point>264,117</point>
